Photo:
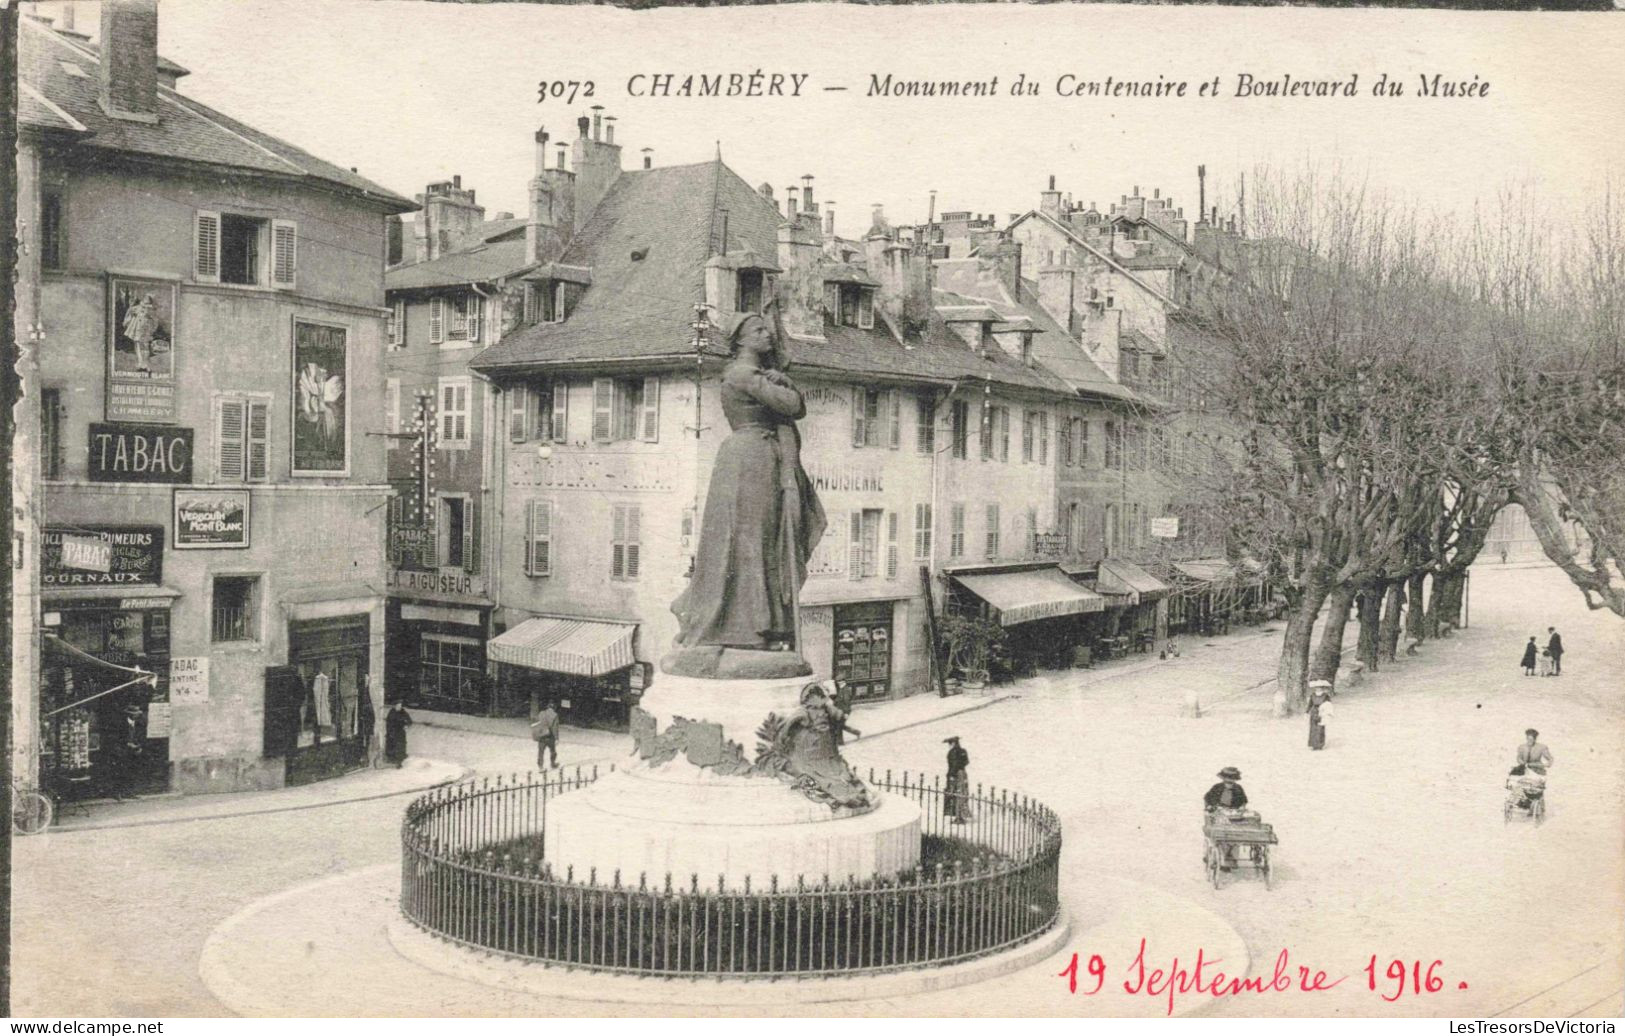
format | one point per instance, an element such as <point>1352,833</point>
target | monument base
<point>680,814</point>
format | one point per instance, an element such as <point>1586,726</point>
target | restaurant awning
<point>1208,570</point>
<point>1024,596</point>
<point>579,646</point>
<point>1125,577</point>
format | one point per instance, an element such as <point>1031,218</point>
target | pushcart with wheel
<point>1236,839</point>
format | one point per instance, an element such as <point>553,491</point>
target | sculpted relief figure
<point>761,522</point>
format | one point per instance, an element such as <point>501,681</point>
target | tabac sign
<point>101,555</point>
<point>140,453</point>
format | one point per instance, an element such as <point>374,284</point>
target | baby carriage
<point>1526,794</point>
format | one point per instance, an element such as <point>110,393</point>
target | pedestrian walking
<point>1555,645</point>
<point>1530,653</point>
<point>1320,712</point>
<point>956,799</point>
<point>545,729</point>
<point>396,720</point>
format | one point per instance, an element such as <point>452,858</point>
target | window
<point>1027,348</point>
<point>397,324</point>
<point>1029,426</point>
<point>626,537</point>
<point>960,418</point>
<point>625,409</point>
<point>922,532</point>
<point>242,447</point>
<point>1074,528</point>
<point>437,320</point>
<point>1134,452</point>
<point>228,248</point>
<point>866,408</point>
<point>533,304</point>
<point>1068,443</point>
<point>750,291</point>
<point>539,538</point>
<point>1080,431</point>
<point>891,544</point>
<point>458,533</point>
<point>50,415</point>
<point>53,229</point>
<point>1043,437</point>
<point>536,411</point>
<point>449,667</point>
<point>392,411</point>
<point>551,299</point>
<point>235,611</point>
<point>989,420</point>
<point>992,530</point>
<point>475,306</point>
<point>460,306</point>
<point>1114,446</point>
<point>851,305</point>
<point>454,413</point>
<point>956,531</point>
<point>1003,414</point>
<point>863,546</point>
<point>925,428</point>
<point>242,243</point>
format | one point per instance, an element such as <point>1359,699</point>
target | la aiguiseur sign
<point>140,453</point>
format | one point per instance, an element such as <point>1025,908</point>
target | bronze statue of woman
<point>761,522</point>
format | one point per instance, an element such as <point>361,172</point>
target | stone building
<point>205,306</point>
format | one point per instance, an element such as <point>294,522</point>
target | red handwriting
<point>1202,977</point>
<point>1419,981</point>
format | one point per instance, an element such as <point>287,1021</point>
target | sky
<point>412,92</point>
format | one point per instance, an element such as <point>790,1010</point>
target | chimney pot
<point>648,157</point>
<point>807,193</point>
<point>457,180</point>
<point>1156,192</point>
<point>1052,181</point>
<point>561,158</point>
<point>609,129</point>
<point>597,121</point>
<point>584,125</point>
<point>1136,190</point>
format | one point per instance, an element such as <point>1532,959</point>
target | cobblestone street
<point>113,921</point>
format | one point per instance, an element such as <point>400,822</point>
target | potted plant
<point>971,642</point>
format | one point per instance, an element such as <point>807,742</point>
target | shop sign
<point>89,553</point>
<point>140,453</point>
<point>1049,544</point>
<point>141,349</point>
<point>137,556</point>
<point>159,717</point>
<point>211,519</point>
<point>189,680</point>
<point>1165,528</point>
<point>453,582</point>
<point>411,546</point>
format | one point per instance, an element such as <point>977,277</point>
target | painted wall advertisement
<point>125,555</point>
<point>321,399</point>
<point>189,680</point>
<point>140,453</point>
<point>141,349</point>
<point>211,519</point>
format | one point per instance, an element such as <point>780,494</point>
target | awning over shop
<point>578,646</point>
<point>1125,577</point>
<point>1024,596</point>
<point>1209,570</point>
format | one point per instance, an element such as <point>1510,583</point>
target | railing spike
<point>592,876</point>
<point>617,877</point>
<point>694,882</point>
<point>668,883</point>
<point>570,872</point>
<point>643,881</point>
<point>773,883</point>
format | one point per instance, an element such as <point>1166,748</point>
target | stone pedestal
<point>682,818</point>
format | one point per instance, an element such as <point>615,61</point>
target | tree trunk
<point>1323,666</point>
<point>1292,672</point>
<point>1370,602</point>
<point>1415,615</point>
<point>1445,607</point>
<point>1392,605</point>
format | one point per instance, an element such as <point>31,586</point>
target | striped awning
<point>1024,596</point>
<point>578,646</point>
<point>1125,577</point>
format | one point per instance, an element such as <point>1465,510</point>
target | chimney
<point>1050,201</point>
<point>457,180</point>
<point>129,60</point>
<point>904,295</point>
<point>541,151</point>
<point>609,129</point>
<point>597,166</point>
<point>583,124</point>
<point>1201,192</point>
<point>551,197</point>
<point>807,194</point>
<point>597,122</point>
<point>648,158</point>
<point>801,282</point>
<point>829,219</point>
<point>790,203</point>
<point>561,166</point>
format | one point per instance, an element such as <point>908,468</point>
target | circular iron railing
<point>475,871</point>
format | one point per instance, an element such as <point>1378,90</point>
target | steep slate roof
<point>485,262</point>
<point>186,130</point>
<point>1079,240</point>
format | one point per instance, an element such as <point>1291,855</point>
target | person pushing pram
<point>1526,782</point>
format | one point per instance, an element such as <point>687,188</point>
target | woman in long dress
<point>956,796</point>
<point>1319,712</point>
<point>396,720</point>
<point>742,595</point>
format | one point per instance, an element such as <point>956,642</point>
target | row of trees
<point>1380,384</point>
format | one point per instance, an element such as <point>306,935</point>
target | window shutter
<point>634,534</point>
<point>397,325</point>
<point>651,409</point>
<point>617,541</point>
<point>1043,437</point>
<point>603,409</point>
<point>530,539</point>
<point>259,441</point>
<point>229,439</point>
<point>561,404</point>
<point>284,253</point>
<point>832,301</point>
<point>437,320</point>
<point>854,551</point>
<point>206,246</point>
<point>518,412</point>
<point>558,302</point>
<point>471,537</point>
<point>476,322</point>
<point>541,538</point>
<point>530,304</point>
<point>891,545</point>
<point>896,419</point>
<point>858,428</point>
<point>866,308</point>
<point>392,410</point>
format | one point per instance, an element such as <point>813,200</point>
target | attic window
<point>851,305</point>
<point>750,291</point>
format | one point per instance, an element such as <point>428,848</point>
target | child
<point>1545,662</point>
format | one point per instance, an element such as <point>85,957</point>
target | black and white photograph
<point>1105,511</point>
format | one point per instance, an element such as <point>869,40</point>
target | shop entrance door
<point>335,716</point>
<point>863,655</point>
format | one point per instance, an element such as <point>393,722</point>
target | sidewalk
<point>418,774</point>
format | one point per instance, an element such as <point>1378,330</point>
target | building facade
<point>208,314</point>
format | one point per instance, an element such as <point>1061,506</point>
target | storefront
<point>435,657</point>
<point>585,667</point>
<point>863,650</point>
<point>1045,613</point>
<point>1208,596</point>
<point>323,696</point>
<point>1141,598</point>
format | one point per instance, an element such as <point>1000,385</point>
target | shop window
<point>450,667</point>
<point>862,662</point>
<point>455,413</point>
<point>925,428</point>
<point>50,401</point>
<point>956,531</point>
<point>960,420</point>
<point>235,609</point>
<point>625,409</point>
<point>922,532</point>
<point>53,229</point>
<point>626,521</point>
<point>992,530</point>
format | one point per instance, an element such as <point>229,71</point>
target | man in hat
<point>1227,794</point>
<point>1554,645</point>
<point>956,798</point>
<point>545,730</point>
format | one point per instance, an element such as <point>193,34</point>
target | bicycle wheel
<point>30,812</point>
